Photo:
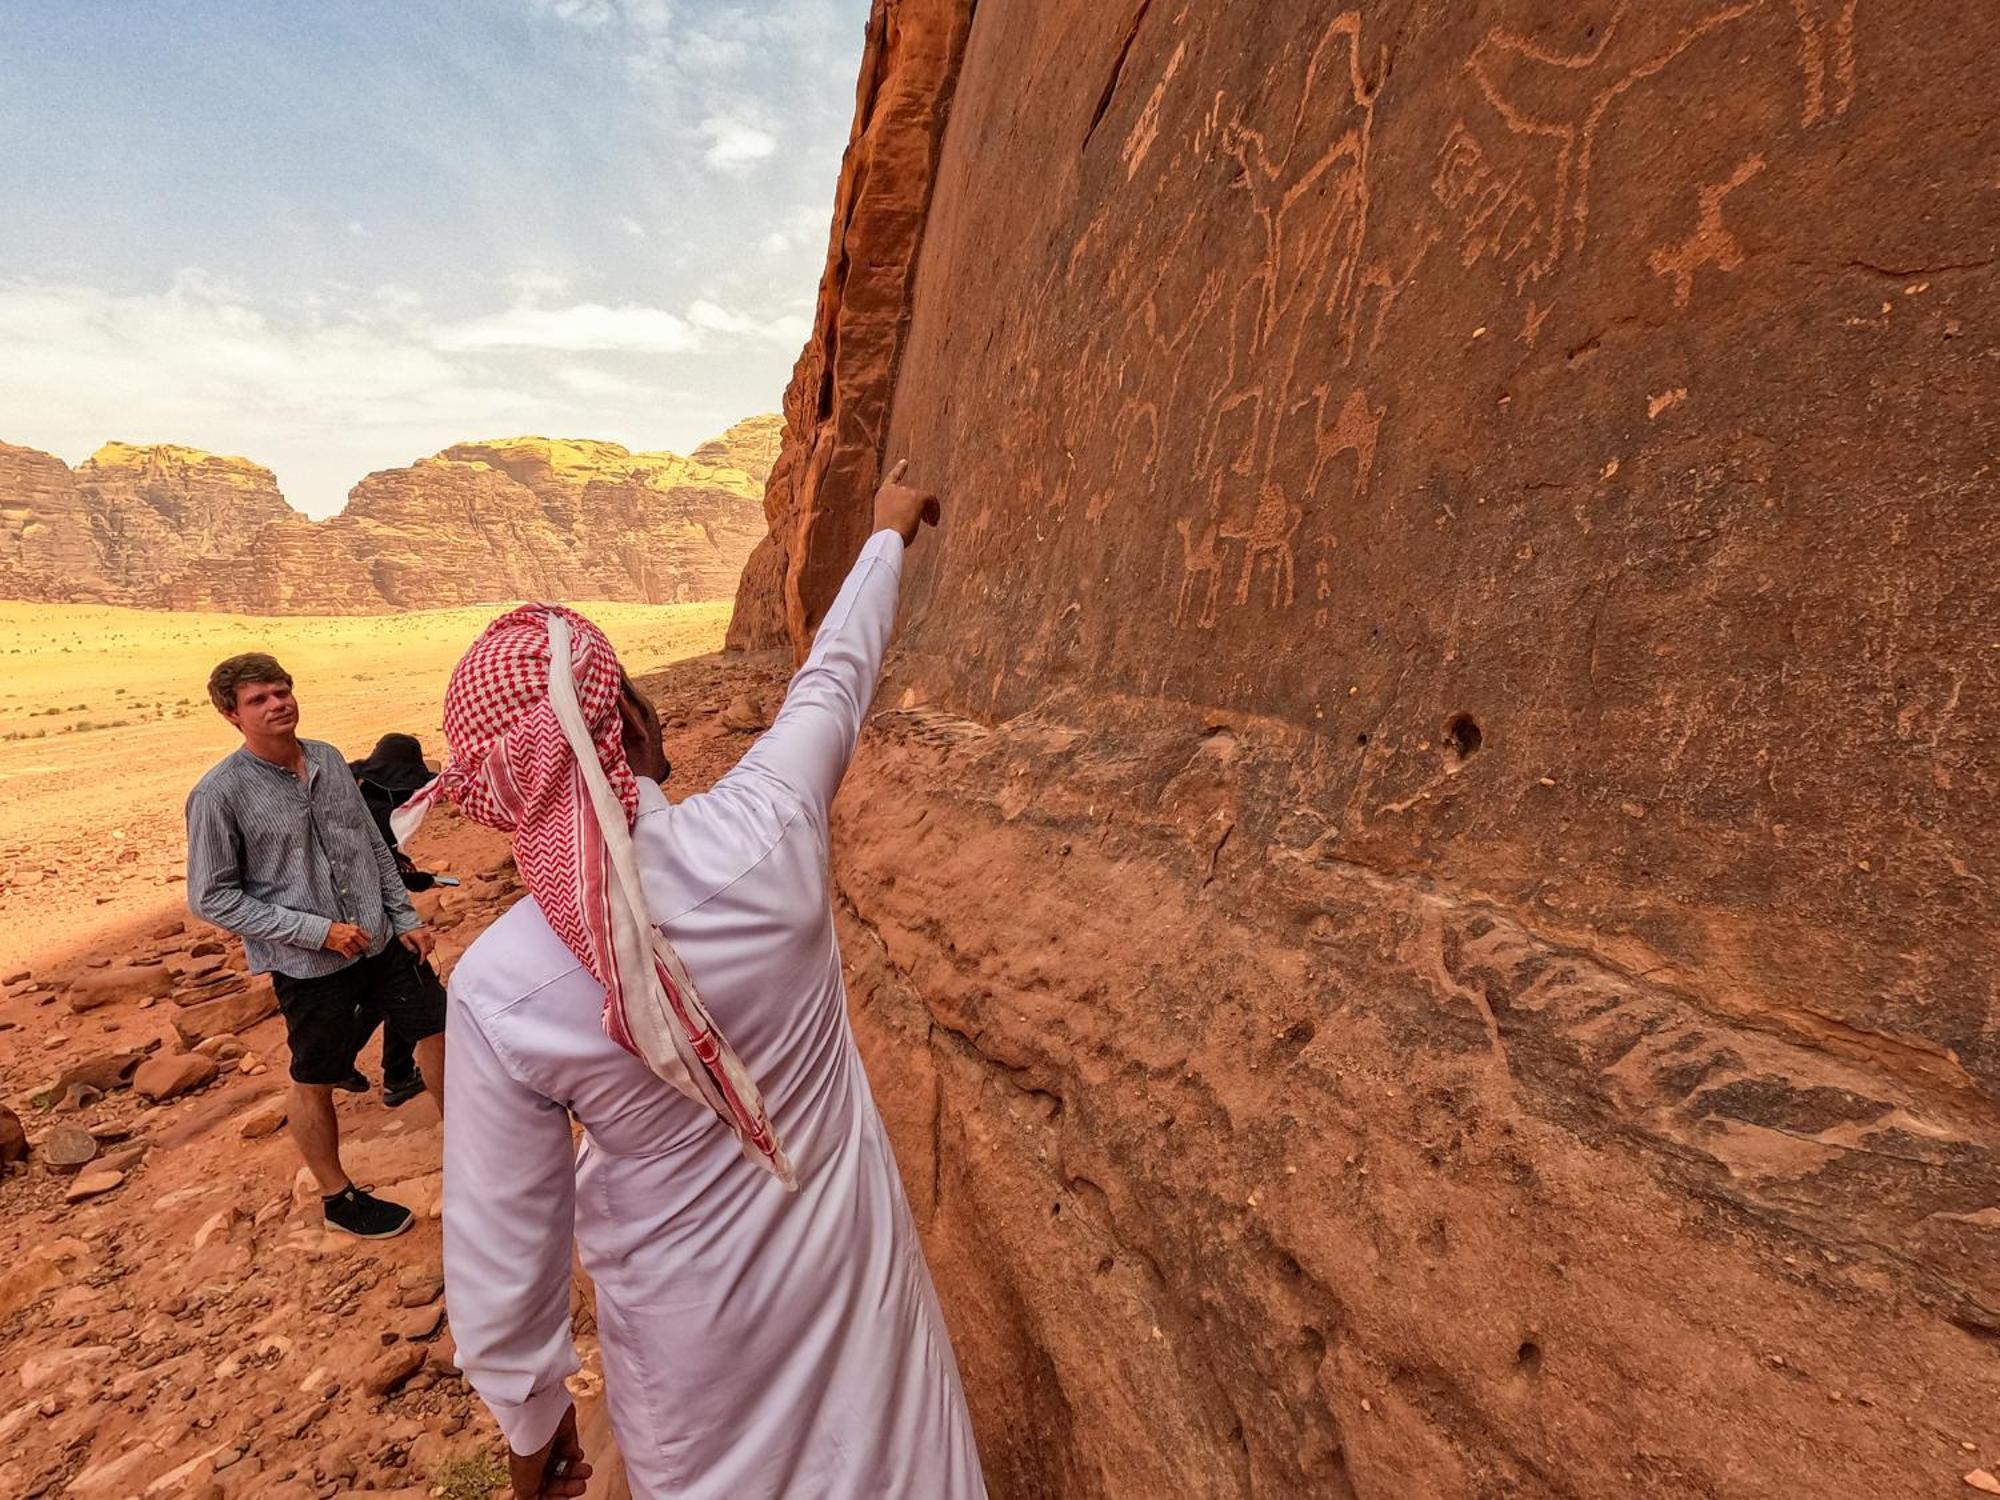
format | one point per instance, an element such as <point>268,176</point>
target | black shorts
<point>322,1015</point>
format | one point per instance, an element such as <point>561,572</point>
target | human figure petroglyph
<point>1710,243</point>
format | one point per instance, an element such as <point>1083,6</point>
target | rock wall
<point>1421,900</point>
<point>479,522</point>
<point>836,407</point>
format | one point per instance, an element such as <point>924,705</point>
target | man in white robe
<point>759,1343</point>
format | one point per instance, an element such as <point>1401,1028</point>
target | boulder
<point>106,1071</point>
<point>232,1013</point>
<point>66,1148</point>
<point>165,1078</point>
<point>13,1138</point>
<point>95,987</point>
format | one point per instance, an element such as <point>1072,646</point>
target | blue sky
<point>334,237</point>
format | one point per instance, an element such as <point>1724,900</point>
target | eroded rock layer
<point>1423,902</point>
<point>515,518</point>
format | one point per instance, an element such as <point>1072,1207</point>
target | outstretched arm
<point>809,744</point>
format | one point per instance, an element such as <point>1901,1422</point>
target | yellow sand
<point>90,817</point>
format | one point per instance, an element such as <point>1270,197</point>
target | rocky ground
<point>175,1321</point>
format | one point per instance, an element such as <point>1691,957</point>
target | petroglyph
<point>1826,56</point>
<point>1711,243</point>
<point>1531,218</point>
<point>1265,446</point>
<point>1147,128</point>
<point>1494,215</point>
<point>1201,563</point>
<point>1268,539</point>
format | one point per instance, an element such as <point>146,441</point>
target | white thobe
<point>757,1344</point>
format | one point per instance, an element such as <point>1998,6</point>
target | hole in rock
<point>1463,736</point>
<point>1361,738</point>
<point>1529,1357</point>
<point>1104,1266</point>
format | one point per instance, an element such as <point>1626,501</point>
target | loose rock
<point>66,1148</point>
<point>392,1368</point>
<point>91,1184</point>
<point>166,1078</point>
<point>13,1138</point>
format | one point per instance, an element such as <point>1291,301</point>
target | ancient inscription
<point>1711,243</point>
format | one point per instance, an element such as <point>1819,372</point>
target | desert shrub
<point>472,1476</point>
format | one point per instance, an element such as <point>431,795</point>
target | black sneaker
<point>402,1090</point>
<point>354,1083</point>
<point>365,1216</point>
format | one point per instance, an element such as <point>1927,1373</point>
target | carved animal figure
<point>1198,560</point>
<point>1268,535</point>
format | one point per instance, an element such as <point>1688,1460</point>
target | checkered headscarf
<point>531,717</point>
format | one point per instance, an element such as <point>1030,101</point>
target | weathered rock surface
<point>13,1138</point>
<point>750,447</point>
<point>46,547</point>
<point>163,1078</point>
<point>1426,887</point>
<point>234,1012</point>
<point>154,508</point>
<point>520,517</point>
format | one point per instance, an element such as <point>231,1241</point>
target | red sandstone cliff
<point>1425,879</point>
<point>479,522</point>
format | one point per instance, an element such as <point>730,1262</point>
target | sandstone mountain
<point>515,518</point>
<point>1424,874</point>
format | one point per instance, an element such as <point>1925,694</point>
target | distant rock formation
<point>1420,895</point>
<point>751,446</point>
<point>514,518</point>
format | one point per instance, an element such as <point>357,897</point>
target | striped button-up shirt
<point>278,861</point>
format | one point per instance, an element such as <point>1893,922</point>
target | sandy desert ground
<point>105,723</point>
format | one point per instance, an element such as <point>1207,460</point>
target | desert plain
<point>105,724</point>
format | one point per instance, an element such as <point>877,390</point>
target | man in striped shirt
<point>283,851</point>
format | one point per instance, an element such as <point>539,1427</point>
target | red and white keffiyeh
<point>531,718</point>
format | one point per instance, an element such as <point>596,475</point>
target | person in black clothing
<point>388,776</point>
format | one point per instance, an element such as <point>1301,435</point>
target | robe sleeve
<point>809,744</point>
<point>509,1227</point>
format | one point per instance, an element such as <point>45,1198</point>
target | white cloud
<point>711,317</point>
<point>734,143</point>
<point>535,282</point>
<point>324,399</point>
<point>632,227</point>
<point>580,327</point>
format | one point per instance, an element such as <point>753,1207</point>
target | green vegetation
<point>472,1476</point>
